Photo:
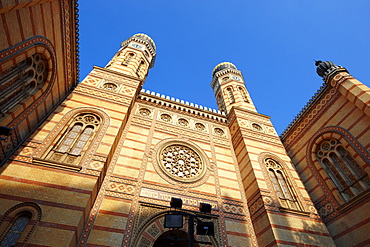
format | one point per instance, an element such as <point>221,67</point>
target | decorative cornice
<point>177,104</point>
<point>315,98</point>
<point>113,75</point>
<point>77,43</point>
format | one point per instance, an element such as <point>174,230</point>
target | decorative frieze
<point>115,98</point>
<point>233,209</point>
<point>261,136</point>
<point>121,187</point>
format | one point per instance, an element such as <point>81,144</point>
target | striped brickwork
<point>341,112</point>
<point>137,171</point>
<point>254,139</point>
<point>67,192</point>
<point>273,223</point>
<point>29,27</point>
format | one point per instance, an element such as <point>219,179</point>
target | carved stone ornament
<point>183,122</point>
<point>110,86</point>
<point>166,117</point>
<point>144,112</point>
<point>219,132</point>
<point>180,162</point>
<point>200,126</point>
<point>256,127</point>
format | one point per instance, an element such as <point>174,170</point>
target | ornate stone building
<point>96,164</point>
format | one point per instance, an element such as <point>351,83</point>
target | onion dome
<point>146,38</point>
<point>323,67</point>
<point>222,66</point>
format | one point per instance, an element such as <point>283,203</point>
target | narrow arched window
<point>18,224</point>
<point>141,65</point>
<point>17,229</point>
<point>244,95</point>
<point>347,175</point>
<point>231,95</point>
<point>281,185</point>
<point>75,139</point>
<point>128,58</point>
<point>22,80</point>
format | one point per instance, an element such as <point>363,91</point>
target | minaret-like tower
<point>279,205</point>
<point>228,86</point>
<point>135,57</point>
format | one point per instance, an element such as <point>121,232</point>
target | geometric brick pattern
<point>121,188</point>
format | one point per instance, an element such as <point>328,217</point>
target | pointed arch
<point>19,223</point>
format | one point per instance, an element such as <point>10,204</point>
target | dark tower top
<point>222,66</point>
<point>323,67</point>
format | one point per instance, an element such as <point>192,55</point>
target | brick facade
<point>96,164</point>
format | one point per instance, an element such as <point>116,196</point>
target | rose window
<point>181,163</point>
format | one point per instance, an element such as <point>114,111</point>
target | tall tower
<point>280,208</point>
<point>228,86</point>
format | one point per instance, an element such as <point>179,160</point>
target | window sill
<point>354,201</point>
<point>54,164</point>
<point>293,211</point>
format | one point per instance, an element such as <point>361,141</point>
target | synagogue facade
<point>97,163</point>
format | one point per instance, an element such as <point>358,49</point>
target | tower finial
<point>317,62</point>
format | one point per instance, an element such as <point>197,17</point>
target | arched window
<point>244,95</point>
<point>281,185</point>
<point>141,65</point>
<point>18,224</point>
<point>347,175</point>
<point>75,140</point>
<point>17,229</point>
<point>231,95</point>
<point>128,58</point>
<point>22,80</point>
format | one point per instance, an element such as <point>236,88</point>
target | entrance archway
<point>173,238</point>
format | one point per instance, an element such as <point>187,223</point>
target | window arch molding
<point>32,210</point>
<point>18,53</point>
<point>229,91</point>
<point>59,130</point>
<point>349,142</point>
<point>289,180</point>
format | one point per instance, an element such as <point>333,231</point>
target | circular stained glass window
<point>180,162</point>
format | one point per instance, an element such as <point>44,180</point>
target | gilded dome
<point>222,66</point>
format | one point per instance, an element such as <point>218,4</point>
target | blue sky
<point>272,42</point>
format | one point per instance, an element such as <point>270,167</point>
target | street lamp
<point>174,219</point>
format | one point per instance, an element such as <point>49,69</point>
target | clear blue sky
<point>272,42</point>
